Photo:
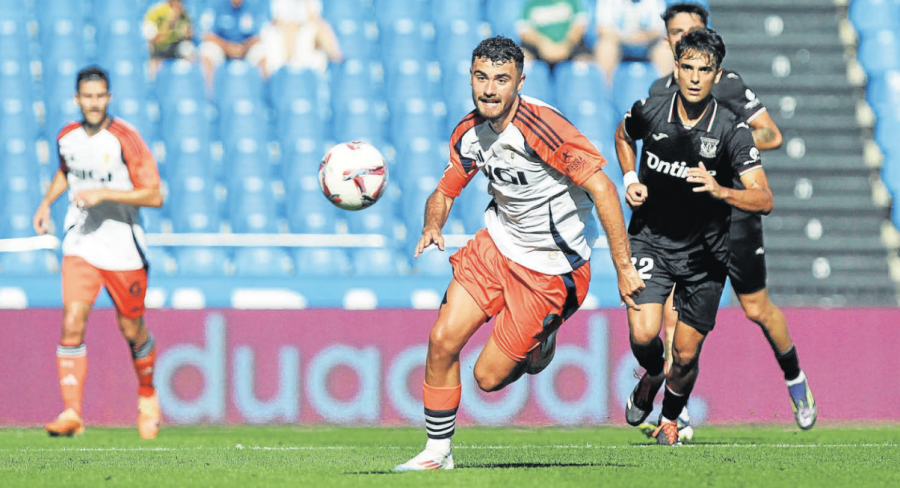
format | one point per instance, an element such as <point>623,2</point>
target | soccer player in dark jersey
<point>693,150</point>
<point>747,266</point>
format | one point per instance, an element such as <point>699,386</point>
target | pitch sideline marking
<point>470,447</point>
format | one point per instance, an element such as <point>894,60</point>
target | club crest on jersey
<point>708,147</point>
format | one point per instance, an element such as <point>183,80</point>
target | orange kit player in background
<point>530,267</point>
<point>110,172</point>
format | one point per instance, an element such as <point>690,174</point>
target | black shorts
<point>747,263</point>
<point>699,280</point>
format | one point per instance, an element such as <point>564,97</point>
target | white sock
<point>797,380</point>
<point>441,446</point>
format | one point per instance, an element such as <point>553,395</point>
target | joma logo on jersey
<point>505,175</point>
<point>86,174</point>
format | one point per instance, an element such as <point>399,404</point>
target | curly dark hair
<point>499,50</point>
<point>685,8</point>
<point>702,41</point>
<point>91,73</point>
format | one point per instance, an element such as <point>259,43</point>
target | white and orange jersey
<point>108,235</point>
<point>540,217</point>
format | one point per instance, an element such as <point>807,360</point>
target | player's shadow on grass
<point>518,466</point>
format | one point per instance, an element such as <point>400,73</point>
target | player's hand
<point>630,286</point>
<point>429,236</point>
<point>705,181</point>
<point>88,198</point>
<point>41,220</point>
<point>636,194</point>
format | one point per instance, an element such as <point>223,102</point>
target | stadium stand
<point>240,161</point>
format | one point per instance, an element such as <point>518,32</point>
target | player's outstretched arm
<point>635,191</point>
<point>603,192</point>
<point>757,197</point>
<point>437,208</point>
<point>58,185</point>
<point>766,135</point>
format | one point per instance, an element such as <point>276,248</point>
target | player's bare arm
<point>635,191</point>
<point>766,135</point>
<point>603,192</point>
<point>58,185</point>
<point>437,208</point>
<point>141,197</point>
<point>756,198</point>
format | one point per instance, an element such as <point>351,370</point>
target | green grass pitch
<point>224,457</point>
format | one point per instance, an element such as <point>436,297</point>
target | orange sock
<point>441,397</point>
<point>441,404</point>
<point>143,366</point>
<point>71,362</point>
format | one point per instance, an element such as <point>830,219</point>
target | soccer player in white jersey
<point>109,172</point>
<point>530,268</point>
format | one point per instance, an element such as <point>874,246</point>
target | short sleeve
<point>459,170</point>
<point>742,151</point>
<point>738,97</point>
<point>636,124</point>
<point>137,156</point>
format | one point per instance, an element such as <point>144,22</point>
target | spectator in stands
<point>234,35</point>
<point>553,31</point>
<point>298,36</point>
<point>630,30</point>
<point>168,30</point>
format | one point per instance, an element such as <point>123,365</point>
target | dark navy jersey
<point>730,91</point>
<point>674,217</point>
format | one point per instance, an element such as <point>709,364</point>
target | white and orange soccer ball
<point>353,175</point>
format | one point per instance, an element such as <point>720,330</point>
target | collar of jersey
<point>705,124</point>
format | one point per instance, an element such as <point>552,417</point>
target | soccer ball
<point>353,175</point>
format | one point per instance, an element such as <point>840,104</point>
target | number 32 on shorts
<point>643,269</point>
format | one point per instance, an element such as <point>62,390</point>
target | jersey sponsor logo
<point>505,175</point>
<point>677,169</point>
<point>660,136</point>
<point>708,147</point>
<point>573,162</point>
<point>87,174</point>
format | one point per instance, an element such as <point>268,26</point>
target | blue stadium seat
<point>410,78</point>
<point>322,261</point>
<point>246,162</point>
<point>121,40</point>
<point>405,39</point>
<point>538,83</point>
<point>195,207</point>
<point>298,124</point>
<point>237,80</point>
<point>579,87</point>
<point>357,41</point>
<point>178,80</point>
<point>445,14</point>
<point>308,211</point>
<point>290,83</point>
<point>354,79</point>
<point>262,261</point>
<point>872,15</point>
<point>106,12</point>
<point>161,261</point>
<point>18,127</point>
<point>456,39</point>
<point>152,219</point>
<point>14,40</point>
<point>18,163</point>
<point>414,121</point>
<point>186,120</point>
<point>503,16</point>
<point>434,262</point>
<point>15,11</point>
<point>17,206</point>
<point>200,261</point>
<point>377,219</point>
<point>336,10</point>
<point>28,263</point>
<point>49,10</point>
<point>631,82</point>
<point>879,52</point>
<point>252,208</point>
<point>389,11</point>
<point>246,122</point>
<point>360,121</point>
<point>374,262</point>
<point>704,3</point>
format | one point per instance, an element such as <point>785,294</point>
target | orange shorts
<point>527,306</point>
<point>82,281</point>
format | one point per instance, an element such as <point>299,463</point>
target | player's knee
<point>73,327</point>
<point>642,337</point>
<point>488,381</point>
<point>758,311</point>
<point>441,343</point>
<point>685,357</point>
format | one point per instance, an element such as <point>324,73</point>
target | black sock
<point>673,404</point>
<point>789,363</point>
<point>650,356</point>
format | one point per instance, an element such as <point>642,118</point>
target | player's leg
<point>81,284</point>
<point>747,269</point>
<point>697,302</point>
<point>644,326</point>
<point>459,317</point>
<point>759,309</point>
<point>127,289</point>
